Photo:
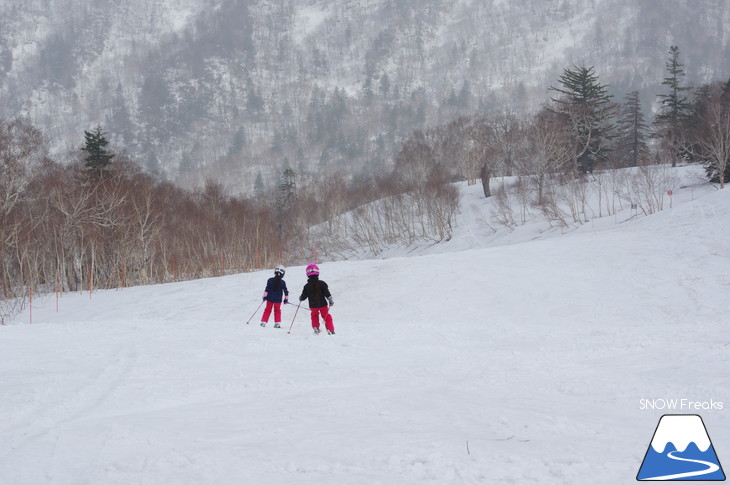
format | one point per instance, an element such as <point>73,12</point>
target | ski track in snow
<point>510,363</point>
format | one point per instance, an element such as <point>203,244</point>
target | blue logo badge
<point>681,450</point>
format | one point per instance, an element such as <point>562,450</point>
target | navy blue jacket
<point>272,294</point>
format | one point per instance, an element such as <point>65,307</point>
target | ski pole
<point>254,313</point>
<point>292,320</point>
<point>300,305</point>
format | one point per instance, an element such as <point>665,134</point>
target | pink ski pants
<point>267,312</point>
<point>325,312</point>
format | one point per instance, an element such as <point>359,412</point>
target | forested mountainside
<point>235,90</point>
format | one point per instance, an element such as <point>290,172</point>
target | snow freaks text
<point>679,405</point>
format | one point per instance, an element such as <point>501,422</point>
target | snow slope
<point>516,363</point>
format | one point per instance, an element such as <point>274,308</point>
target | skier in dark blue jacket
<point>274,293</point>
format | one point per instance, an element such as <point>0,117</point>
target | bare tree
<point>145,226</point>
<point>715,143</point>
<point>450,147</point>
<point>415,160</point>
<point>22,150</point>
<point>507,139</point>
<point>547,150</point>
<point>481,152</point>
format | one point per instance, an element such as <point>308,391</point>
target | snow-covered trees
<point>675,104</point>
<point>587,109</point>
<point>547,150</point>
<point>63,226</point>
<point>709,137</point>
<point>631,142</point>
<point>716,144</point>
<point>671,121</point>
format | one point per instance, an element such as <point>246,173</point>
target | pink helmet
<point>312,269</point>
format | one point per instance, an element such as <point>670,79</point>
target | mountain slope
<point>230,88</point>
<point>515,363</point>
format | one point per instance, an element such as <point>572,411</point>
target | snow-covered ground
<point>515,361</point>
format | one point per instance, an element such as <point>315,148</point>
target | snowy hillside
<point>519,362</point>
<point>229,89</point>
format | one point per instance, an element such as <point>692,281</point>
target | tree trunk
<point>4,274</point>
<point>485,175</point>
<point>78,271</point>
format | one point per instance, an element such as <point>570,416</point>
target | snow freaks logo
<point>681,450</point>
<point>680,405</point>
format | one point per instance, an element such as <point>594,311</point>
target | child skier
<point>275,290</point>
<point>319,295</point>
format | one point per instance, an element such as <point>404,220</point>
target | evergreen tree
<point>284,200</point>
<point>286,190</point>
<point>633,149</point>
<point>367,91</point>
<point>258,186</point>
<point>254,100</point>
<point>587,109</point>
<point>452,100</point>
<point>238,142</point>
<point>675,105</point>
<point>464,95</point>
<point>97,158</point>
<point>672,120</point>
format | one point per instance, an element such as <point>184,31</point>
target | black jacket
<point>317,292</point>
